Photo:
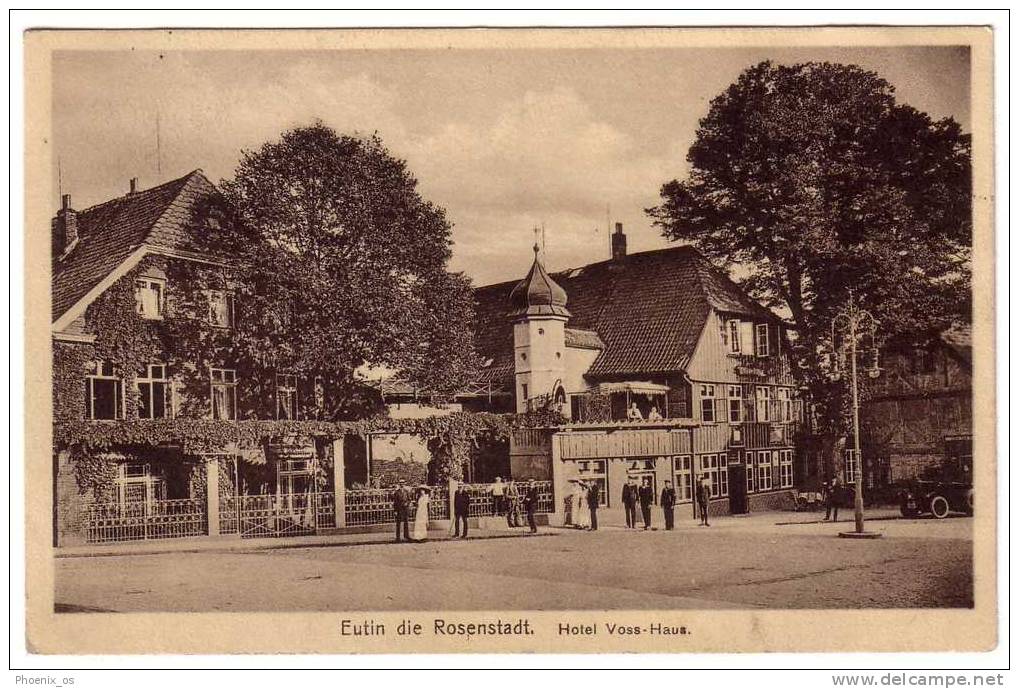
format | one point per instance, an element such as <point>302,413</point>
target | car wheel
<point>939,506</point>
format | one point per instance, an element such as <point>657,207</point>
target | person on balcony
<point>401,505</point>
<point>654,414</point>
<point>630,503</point>
<point>633,413</point>
<point>461,510</point>
<point>646,496</point>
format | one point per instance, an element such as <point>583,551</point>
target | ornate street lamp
<point>851,328</point>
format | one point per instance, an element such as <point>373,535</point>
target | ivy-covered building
<point>664,367</point>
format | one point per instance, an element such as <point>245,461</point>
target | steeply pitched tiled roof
<point>648,310</point>
<point>110,232</point>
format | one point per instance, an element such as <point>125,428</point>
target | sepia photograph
<point>551,322</point>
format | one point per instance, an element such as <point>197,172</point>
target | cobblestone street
<point>736,563</point>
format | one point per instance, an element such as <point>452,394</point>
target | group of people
<point>834,494</point>
<point>507,501</point>
<point>586,498</point>
<point>635,414</point>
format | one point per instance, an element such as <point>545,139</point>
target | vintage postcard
<point>492,340</point>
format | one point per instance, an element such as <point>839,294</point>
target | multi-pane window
<point>763,398</point>
<point>103,392</point>
<point>286,396</point>
<point>761,341</point>
<point>221,309</point>
<point>764,470</point>
<point>708,404</point>
<point>595,470</point>
<point>154,393</point>
<point>785,468</point>
<point>148,297</point>
<point>224,393</point>
<point>137,487</point>
<point>734,344</point>
<point>785,404</point>
<point>735,403</point>
<point>682,466</point>
<point>851,465</point>
<point>716,467</point>
<point>751,475</point>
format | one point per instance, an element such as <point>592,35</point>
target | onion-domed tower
<point>539,313</point>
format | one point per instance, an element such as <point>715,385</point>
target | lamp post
<point>849,327</point>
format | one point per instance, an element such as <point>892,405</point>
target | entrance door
<point>737,486</point>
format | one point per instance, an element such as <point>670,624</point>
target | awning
<point>643,388</point>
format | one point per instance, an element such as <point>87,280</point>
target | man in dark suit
<point>669,505</point>
<point>531,504</point>
<point>646,496</point>
<point>461,509</point>
<point>401,505</point>
<point>630,503</point>
<point>704,498</point>
<point>593,499</point>
<point>833,498</point>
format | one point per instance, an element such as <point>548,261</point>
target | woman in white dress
<point>581,518</point>
<point>420,532</point>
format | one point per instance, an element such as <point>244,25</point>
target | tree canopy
<point>815,180</point>
<point>343,264</point>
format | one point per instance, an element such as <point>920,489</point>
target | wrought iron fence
<point>143,520</point>
<point>483,502</point>
<point>286,514</point>
<point>375,506</point>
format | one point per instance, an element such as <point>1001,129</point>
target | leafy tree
<point>815,181</point>
<point>343,264</point>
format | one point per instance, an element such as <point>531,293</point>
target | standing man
<point>669,505</point>
<point>704,498</point>
<point>646,495</point>
<point>630,503</point>
<point>401,505</point>
<point>531,504</point>
<point>461,509</point>
<point>593,499</point>
<point>832,499</point>
<point>498,496</point>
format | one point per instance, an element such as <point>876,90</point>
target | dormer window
<point>761,342</point>
<point>149,294</point>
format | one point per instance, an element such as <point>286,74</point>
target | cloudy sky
<point>504,140</point>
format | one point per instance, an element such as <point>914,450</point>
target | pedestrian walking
<point>630,502</point>
<point>668,501</point>
<point>646,496</point>
<point>401,505</point>
<point>704,498</point>
<point>461,510</point>
<point>593,499</point>
<point>832,498</point>
<point>531,504</point>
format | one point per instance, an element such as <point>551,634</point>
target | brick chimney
<point>134,186</point>
<point>618,243</point>
<point>65,226</point>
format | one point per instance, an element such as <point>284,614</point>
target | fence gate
<point>274,516</point>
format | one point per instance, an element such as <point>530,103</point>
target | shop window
<point>221,309</point>
<point>149,294</point>
<point>224,394</point>
<point>682,468</point>
<point>764,470</point>
<point>154,393</point>
<point>286,396</point>
<point>785,468</point>
<point>103,392</point>
<point>716,467</point>
<point>595,471</point>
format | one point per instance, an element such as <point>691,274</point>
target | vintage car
<point>938,498</point>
